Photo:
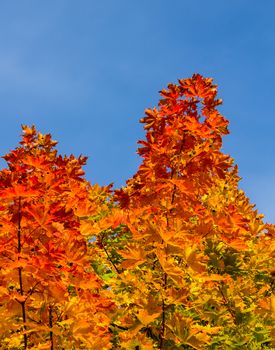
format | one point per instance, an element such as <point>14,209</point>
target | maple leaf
<point>134,256</point>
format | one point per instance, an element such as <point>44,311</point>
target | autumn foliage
<point>176,259</point>
<point>48,287</point>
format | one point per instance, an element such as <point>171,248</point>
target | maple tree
<point>50,297</point>
<point>193,263</point>
<point>176,259</point>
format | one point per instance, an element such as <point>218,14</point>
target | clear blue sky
<point>86,70</point>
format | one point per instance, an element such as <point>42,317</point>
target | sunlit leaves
<point>193,229</point>
<point>176,259</point>
<point>45,263</point>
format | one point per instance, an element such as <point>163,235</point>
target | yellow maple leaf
<point>134,256</point>
<point>145,317</point>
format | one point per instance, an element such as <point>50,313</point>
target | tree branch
<point>20,272</point>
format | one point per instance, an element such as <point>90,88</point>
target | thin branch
<point>19,246</point>
<point>226,303</point>
<point>119,327</point>
<point>108,256</point>
<point>51,325</point>
<point>162,334</point>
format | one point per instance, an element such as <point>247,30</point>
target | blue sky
<point>86,70</point>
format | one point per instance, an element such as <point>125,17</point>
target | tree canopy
<point>178,258</point>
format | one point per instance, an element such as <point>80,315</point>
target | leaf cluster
<point>177,259</point>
